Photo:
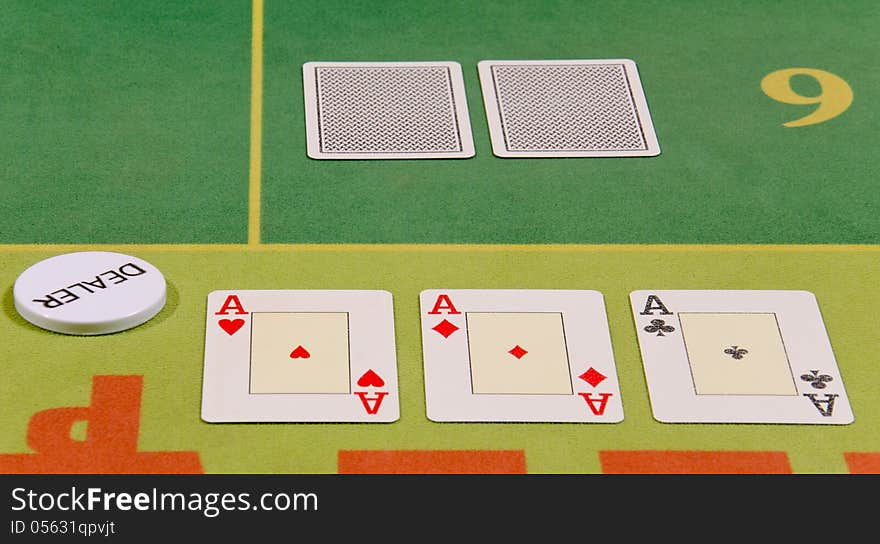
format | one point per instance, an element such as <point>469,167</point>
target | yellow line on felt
<point>256,138</point>
<point>866,248</point>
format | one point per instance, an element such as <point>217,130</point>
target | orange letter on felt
<point>863,463</point>
<point>110,447</point>
<point>431,462</point>
<point>694,462</point>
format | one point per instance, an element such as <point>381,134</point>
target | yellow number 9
<point>835,98</point>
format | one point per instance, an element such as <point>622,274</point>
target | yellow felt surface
<point>43,370</point>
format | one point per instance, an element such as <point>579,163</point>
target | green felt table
<point>175,131</point>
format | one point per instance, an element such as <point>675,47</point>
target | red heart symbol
<point>231,326</point>
<point>300,353</point>
<point>370,378</point>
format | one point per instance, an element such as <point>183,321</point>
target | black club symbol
<point>659,326</point>
<point>736,352</point>
<point>818,381</point>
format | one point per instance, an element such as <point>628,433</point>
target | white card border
<point>226,396</point>
<point>458,94</point>
<point>448,396</point>
<point>496,130</point>
<point>668,373</point>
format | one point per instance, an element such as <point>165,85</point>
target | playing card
<point>736,356</point>
<point>567,108</point>
<point>518,355</point>
<point>386,110</point>
<point>300,356</point>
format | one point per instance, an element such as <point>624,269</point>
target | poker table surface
<point>174,131</point>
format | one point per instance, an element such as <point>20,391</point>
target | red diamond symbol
<point>445,328</point>
<point>592,377</point>
<point>517,351</point>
